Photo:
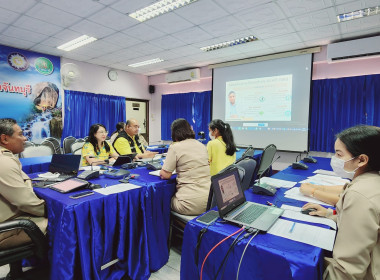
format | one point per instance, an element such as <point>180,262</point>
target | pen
<point>270,204</point>
<point>292,228</point>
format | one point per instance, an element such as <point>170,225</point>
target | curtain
<point>83,109</point>
<point>195,107</point>
<point>337,104</point>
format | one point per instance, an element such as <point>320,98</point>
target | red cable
<point>217,246</point>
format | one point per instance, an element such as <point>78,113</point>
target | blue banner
<point>31,93</point>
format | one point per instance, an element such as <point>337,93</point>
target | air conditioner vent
<point>183,76</point>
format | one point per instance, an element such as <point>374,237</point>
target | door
<point>139,109</point>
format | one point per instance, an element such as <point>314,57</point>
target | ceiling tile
<point>147,48</point>
<point>192,35</point>
<point>130,6</point>
<point>356,5</point>
<point>25,34</point>
<point>86,27</point>
<point>16,42</point>
<point>143,32</point>
<point>361,24</point>
<point>274,29</point>
<point>169,23</point>
<point>121,39</point>
<point>33,24</point>
<point>299,7</point>
<point>47,49</point>
<point>314,19</point>
<point>239,5</point>
<point>319,32</point>
<point>251,46</point>
<point>168,55</point>
<point>75,56</point>
<point>167,42</point>
<point>224,26</point>
<point>83,8</point>
<point>8,17</point>
<point>53,15</point>
<point>283,40</point>
<point>66,35</point>
<point>113,19</point>
<point>187,50</point>
<point>323,41</point>
<point>19,6</point>
<point>258,15</point>
<point>103,46</point>
<point>201,12</point>
<point>125,54</point>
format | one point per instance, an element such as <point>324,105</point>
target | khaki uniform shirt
<point>17,197</point>
<point>356,253</point>
<point>190,160</point>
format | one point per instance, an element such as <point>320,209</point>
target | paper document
<point>94,168</point>
<point>294,213</point>
<point>325,172</point>
<point>295,193</point>
<point>49,175</point>
<point>157,173</point>
<point>116,189</point>
<point>326,180</point>
<point>312,235</point>
<point>277,183</point>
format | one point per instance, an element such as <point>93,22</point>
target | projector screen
<point>266,102</point>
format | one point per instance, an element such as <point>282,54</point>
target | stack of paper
<point>157,173</point>
<point>277,183</point>
<point>295,193</point>
<point>326,180</point>
<point>116,189</point>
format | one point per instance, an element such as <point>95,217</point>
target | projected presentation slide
<point>260,99</point>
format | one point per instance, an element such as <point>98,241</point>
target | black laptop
<point>66,165</point>
<point>124,159</point>
<point>233,206</point>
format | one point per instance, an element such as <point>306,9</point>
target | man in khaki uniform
<point>17,199</point>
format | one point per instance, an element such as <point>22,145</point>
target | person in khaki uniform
<point>356,253</point>
<point>190,160</point>
<point>17,199</point>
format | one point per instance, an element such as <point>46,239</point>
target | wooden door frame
<point>146,113</point>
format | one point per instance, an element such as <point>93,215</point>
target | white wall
<point>94,79</point>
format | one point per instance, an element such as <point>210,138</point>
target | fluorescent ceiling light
<point>159,8</point>
<point>358,14</point>
<point>229,43</point>
<point>146,62</point>
<point>76,43</point>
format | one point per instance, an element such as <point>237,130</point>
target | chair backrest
<point>77,145</point>
<point>266,159</point>
<point>56,143</point>
<point>249,165</point>
<point>28,144</point>
<point>67,144</point>
<point>37,151</point>
<point>48,144</point>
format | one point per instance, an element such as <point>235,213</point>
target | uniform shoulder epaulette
<point>6,152</point>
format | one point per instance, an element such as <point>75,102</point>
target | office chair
<point>37,151</point>
<point>266,160</point>
<point>77,145</point>
<point>56,143</point>
<point>67,144</point>
<point>13,256</point>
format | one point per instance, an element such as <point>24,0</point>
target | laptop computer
<point>233,207</point>
<point>66,165</point>
<point>124,159</point>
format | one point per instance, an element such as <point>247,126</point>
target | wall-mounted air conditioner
<point>182,76</point>
<point>353,49</point>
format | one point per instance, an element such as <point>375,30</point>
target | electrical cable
<point>213,248</point>
<point>229,250</point>
<point>242,255</point>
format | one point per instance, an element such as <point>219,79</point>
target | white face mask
<point>337,165</point>
<point>211,137</point>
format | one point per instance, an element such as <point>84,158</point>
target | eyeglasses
<point>102,132</point>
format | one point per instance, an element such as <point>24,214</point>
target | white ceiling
<point>176,37</point>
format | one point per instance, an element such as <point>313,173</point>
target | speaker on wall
<point>152,89</point>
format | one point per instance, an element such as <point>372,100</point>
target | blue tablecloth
<point>35,164</point>
<point>132,226</point>
<point>267,257</point>
<point>158,148</point>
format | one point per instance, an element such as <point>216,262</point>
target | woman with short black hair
<point>188,157</point>
<point>356,253</point>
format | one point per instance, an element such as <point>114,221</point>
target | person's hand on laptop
<point>146,154</point>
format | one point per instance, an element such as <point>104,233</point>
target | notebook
<point>233,207</point>
<point>66,166</point>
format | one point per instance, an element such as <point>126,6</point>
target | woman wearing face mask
<point>221,149</point>
<point>356,253</point>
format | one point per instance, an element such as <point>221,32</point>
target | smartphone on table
<point>81,194</point>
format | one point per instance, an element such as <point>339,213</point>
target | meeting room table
<point>130,228</point>
<point>267,257</point>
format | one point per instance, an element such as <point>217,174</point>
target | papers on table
<point>49,175</point>
<point>157,173</point>
<point>326,180</point>
<point>294,213</point>
<point>277,183</point>
<point>295,193</point>
<point>312,235</point>
<point>94,168</point>
<point>325,172</point>
<point>116,189</point>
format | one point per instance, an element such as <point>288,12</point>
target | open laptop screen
<point>65,164</point>
<point>227,190</point>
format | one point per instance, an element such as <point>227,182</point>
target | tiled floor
<point>168,272</point>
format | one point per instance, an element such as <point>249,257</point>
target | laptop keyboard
<point>250,214</point>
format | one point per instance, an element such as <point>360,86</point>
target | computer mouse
<point>308,210</point>
<point>94,186</point>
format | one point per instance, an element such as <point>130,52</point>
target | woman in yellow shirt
<point>221,149</point>
<point>97,150</point>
